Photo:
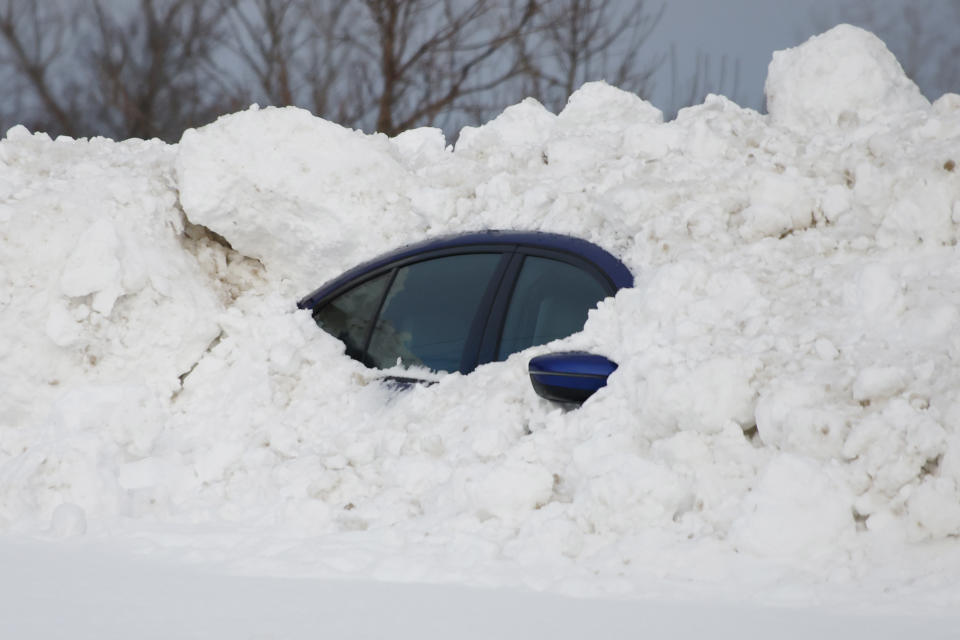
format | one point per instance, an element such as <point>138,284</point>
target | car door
<point>545,295</point>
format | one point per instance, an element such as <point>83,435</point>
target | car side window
<point>550,301</point>
<point>429,311</point>
<point>349,315</point>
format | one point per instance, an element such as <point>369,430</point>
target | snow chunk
<point>20,132</point>
<point>284,186</point>
<point>61,327</point>
<point>715,393</point>
<point>778,204</point>
<point>948,103</point>
<point>877,293</point>
<point>842,77</point>
<point>598,121</point>
<point>879,382</point>
<point>797,510</point>
<point>791,416</point>
<point>519,132</point>
<point>421,147</point>
<point>934,509</point>
<point>598,105</point>
<point>94,267</point>
<point>513,488</point>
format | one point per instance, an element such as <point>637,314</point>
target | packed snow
<point>784,426</point>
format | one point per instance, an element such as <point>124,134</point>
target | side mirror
<point>569,376</point>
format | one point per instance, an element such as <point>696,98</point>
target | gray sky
<point>751,30</point>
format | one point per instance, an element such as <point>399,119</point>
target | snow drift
<point>786,409</point>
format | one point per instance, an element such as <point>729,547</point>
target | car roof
<point>619,275</point>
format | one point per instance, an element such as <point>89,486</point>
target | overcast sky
<point>751,30</point>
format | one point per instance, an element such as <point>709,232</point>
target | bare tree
<point>416,60</point>
<point>155,68</point>
<point>581,40</point>
<point>265,34</point>
<point>35,39</point>
<point>86,68</point>
<point>947,75</point>
<point>291,48</point>
<point>384,65</point>
<point>390,65</point>
<point>707,77</point>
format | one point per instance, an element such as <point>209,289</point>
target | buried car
<point>456,302</point>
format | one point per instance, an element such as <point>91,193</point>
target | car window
<point>550,301</point>
<point>429,310</point>
<point>349,315</point>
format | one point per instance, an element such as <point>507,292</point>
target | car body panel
<point>619,276</point>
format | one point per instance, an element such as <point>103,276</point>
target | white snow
<point>784,427</point>
<point>92,594</point>
<point>845,77</point>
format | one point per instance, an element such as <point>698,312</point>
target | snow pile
<point>857,81</point>
<point>785,410</point>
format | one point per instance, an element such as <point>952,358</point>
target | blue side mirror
<point>569,376</point>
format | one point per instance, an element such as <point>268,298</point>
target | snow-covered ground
<point>85,593</point>
<point>780,443</point>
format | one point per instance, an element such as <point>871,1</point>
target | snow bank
<point>786,396</point>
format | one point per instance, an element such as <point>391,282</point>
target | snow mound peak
<point>839,78</point>
<point>610,107</point>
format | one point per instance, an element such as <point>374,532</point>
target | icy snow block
<point>843,77</point>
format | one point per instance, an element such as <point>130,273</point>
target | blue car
<point>456,302</point>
